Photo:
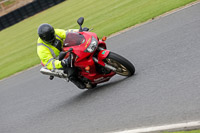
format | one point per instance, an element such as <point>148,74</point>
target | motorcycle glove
<point>65,63</point>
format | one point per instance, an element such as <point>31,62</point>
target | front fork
<point>101,56</point>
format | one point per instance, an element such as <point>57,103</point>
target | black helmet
<point>46,33</point>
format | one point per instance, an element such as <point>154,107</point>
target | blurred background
<point>10,5</point>
<point>14,11</point>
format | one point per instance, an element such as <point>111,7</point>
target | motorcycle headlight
<point>93,45</point>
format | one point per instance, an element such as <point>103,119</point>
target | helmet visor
<point>50,38</point>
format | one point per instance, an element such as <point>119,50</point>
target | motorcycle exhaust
<point>56,73</point>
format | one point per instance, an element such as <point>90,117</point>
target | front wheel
<point>122,65</point>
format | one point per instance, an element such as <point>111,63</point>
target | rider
<point>49,45</point>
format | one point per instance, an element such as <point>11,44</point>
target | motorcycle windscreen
<point>73,39</point>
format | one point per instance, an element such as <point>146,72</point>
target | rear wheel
<point>122,65</point>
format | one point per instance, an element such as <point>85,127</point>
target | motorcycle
<point>89,54</point>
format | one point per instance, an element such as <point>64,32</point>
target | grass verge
<point>18,42</point>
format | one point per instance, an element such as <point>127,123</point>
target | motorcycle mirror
<point>80,21</point>
<point>62,55</point>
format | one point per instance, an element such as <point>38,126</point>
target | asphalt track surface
<point>165,89</point>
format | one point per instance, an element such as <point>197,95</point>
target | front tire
<point>122,65</point>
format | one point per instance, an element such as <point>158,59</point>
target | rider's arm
<point>47,58</point>
<point>62,33</point>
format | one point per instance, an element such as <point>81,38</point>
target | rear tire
<point>123,66</point>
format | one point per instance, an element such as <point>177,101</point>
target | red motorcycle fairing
<point>79,46</point>
<point>102,55</point>
<point>97,78</point>
<point>102,44</point>
<point>84,59</point>
<point>92,74</point>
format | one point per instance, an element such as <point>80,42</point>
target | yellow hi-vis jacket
<point>48,53</point>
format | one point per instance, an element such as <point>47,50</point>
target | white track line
<point>181,126</point>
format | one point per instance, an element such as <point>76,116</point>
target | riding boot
<point>72,76</point>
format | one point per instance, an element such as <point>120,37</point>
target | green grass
<point>18,42</point>
<point>7,3</point>
<point>194,131</point>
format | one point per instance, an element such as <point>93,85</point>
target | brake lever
<point>90,29</point>
<point>70,56</point>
